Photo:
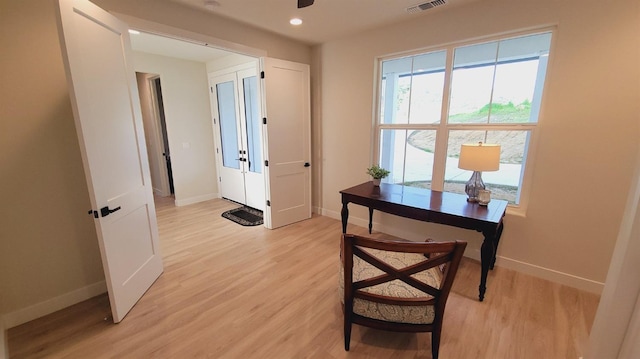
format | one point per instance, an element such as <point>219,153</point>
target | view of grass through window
<point>494,96</point>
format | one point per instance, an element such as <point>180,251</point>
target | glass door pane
<point>254,148</point>
<point>228,124</point>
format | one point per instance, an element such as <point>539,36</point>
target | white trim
<point>252,65</point>
<point>567,279</point>
<point>49,306</point>
<point>555,276</point>
<point>196,199</point>
<point>188,36</point>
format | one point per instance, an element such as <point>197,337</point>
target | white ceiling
<point>323,21</point>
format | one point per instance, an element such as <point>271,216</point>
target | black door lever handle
<point>105,211</point>
<point>307,164</point>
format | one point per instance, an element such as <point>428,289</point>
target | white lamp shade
<point>479,157</point>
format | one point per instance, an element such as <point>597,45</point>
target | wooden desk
<point>432,206</point>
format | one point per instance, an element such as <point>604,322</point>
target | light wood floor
<point>229,291</point>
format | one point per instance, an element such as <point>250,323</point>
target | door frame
<point>205,40</point>
<point>188,36</point>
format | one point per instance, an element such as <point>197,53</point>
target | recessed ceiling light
<point>134,32</point>
<point>295,21</point>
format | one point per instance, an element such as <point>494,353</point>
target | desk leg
<point>487,253</point>
<point>345,216</point>
<point>370,219</point>
<point>497,240</point>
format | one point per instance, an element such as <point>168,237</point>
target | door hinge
<point>217,150</point>
<point>264,120</point>
<point>266,163</point>
<point>268,203</point>
<point>211,87</point>
<point>220,179</point>
<point>261,74</point>
<point>214,120</point>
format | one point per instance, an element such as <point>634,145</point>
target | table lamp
<point>477,158</point>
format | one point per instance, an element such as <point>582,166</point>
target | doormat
<point>245,216</point>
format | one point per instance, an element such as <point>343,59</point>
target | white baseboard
<point>196,199</point>
<point>49,306</point>
<point>570,280</point>
<point>567,279</point>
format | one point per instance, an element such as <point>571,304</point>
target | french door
<point>238,129</point>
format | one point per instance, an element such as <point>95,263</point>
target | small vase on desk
<point>376,182</point>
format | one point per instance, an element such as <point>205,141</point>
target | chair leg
<point>435,342</point>
<point>347,334</point>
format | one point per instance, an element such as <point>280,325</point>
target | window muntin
<point>494,94</point>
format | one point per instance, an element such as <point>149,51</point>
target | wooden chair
<point>397,285</point>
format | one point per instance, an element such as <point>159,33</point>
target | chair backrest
<point>441,258</point>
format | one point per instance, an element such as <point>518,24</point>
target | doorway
<point>284,118</point>
<point>156,136</point>
<point>238,133</point>
<point>161,121</point>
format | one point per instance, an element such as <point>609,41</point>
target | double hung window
<point>431,103</point>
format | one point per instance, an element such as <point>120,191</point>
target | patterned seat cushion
<point>397,288</point>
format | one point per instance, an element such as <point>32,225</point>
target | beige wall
<point>49,255</point>
<point>588,133</point>
<point>48,243</point>
<point>188,116</point>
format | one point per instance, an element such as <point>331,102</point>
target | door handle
<point>105,211</point>
<point>307,164</point>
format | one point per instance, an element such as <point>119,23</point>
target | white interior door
<point>288,141</point>
<point>106,108</point>
<point>238,127</point>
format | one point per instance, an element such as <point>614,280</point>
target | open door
<point>287,136</point>
<point>106,107</point>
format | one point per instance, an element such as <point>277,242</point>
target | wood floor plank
<point>229,291</point>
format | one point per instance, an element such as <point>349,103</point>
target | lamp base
<point>473,186</point>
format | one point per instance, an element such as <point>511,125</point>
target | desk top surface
<point>428,200</point>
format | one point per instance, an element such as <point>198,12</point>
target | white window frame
<point>442,128</point>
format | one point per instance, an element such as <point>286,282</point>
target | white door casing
<point>96,51</point>
<point>287,138</point>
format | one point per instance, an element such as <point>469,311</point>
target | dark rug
<point>245,216</point>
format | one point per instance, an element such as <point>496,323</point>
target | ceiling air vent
<point>425,6</point>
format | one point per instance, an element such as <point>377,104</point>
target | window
<point>431,103</point>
